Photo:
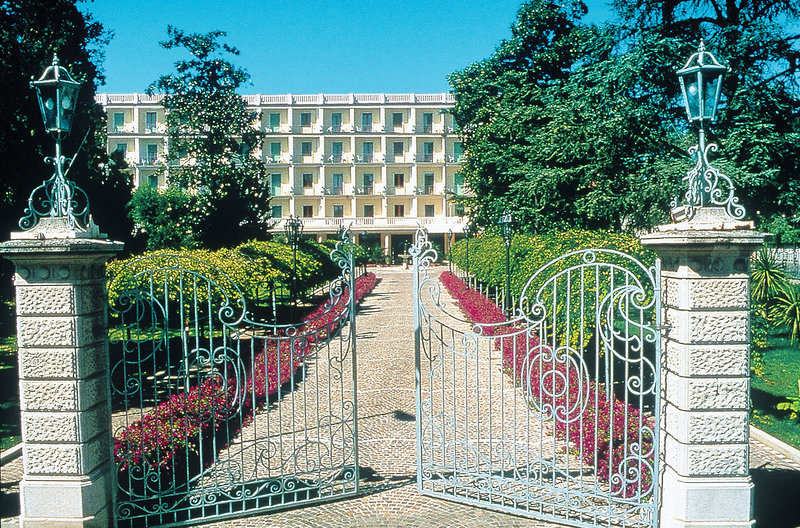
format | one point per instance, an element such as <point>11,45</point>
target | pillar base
<point>705,502</point>
<point>79,502</point>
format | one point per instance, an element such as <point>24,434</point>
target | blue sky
<point>313,46</point>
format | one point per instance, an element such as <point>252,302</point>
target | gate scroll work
<point>552,413</point>
<point>217,415</point>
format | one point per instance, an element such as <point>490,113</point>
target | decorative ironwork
<point>216,414</point>
<point>551,414</point>
<point>706,186</point>
<point>57,197</point>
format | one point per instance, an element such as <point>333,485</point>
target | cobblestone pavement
<point>387,438</point>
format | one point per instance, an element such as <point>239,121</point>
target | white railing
<point>433,223</point>
<point>302,99</point>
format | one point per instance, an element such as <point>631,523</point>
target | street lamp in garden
<point>505,225</point>
<point>57,198</point>
<point>701,84</point>
<point>293,227</point>
<point>449,250</point>
<point>467,233</point>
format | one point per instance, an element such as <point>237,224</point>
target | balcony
<point>452,158</point>
<point>368,129</point>
<point>151,160</point>
<point>339,158</point>
<point>274,160</point>
<point>434,224</point>
<point>426,190</point>
<point>333,191</point>
<point>425,158</point>
<point>363,191</point>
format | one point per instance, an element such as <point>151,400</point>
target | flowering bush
<point>174,427</point>
<point>605,432</point>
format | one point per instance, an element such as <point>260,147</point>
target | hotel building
<point>380,163</point>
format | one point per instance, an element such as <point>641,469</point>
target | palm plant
<point>785,309</point>
<point>768,278</point>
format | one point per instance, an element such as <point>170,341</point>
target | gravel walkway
<point>387,438</point>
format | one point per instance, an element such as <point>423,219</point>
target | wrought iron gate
<point>217,415</point>
<point>553,413</point>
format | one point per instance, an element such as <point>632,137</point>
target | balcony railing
<point>425,158</point>
<point>333,191</point>
<point>275,159</point>
<point>437,224</point>
<point>452,158</point>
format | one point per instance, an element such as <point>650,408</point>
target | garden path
<point>387,440</point>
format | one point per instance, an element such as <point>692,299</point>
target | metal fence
<point>553,412</point>
<point>217,415</point>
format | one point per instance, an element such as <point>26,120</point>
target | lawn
<point>9,395</point>
<point>775,385</point>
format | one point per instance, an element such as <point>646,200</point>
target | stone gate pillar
<point>61,307</point>
<point>705,369</point>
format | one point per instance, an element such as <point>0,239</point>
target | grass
<point>775,385</point>
<point>9,394</point>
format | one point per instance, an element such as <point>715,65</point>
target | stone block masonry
<point>705,373</point>
<point>64,391</point>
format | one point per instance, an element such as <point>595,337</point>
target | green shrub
<point>784,310</point>
<point>530,253</point>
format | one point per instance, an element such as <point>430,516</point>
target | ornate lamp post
<point>505,225</point>
<point>701,82</point>
<point>57,197</point>
<point>467,233</point>
<point>449,250</point>
<point>293,227</point>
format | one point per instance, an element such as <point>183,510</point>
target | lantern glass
<point>711,89</point>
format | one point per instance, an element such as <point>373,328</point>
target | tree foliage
<point>213,140</point>
<point>575,125</point>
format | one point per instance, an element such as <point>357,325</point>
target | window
<point>427,151</point>
<point>122,147</point>
<point>274,122</point>
<point>458,183</point>
<point>369,210</point>
<point>150,121</point>
<point>428,183</point>
<point>398,148</point>
<point>276,211</point>
<point>338,210</point>
<point>429,210</point>
<point>119,121</point>
<point>275,150</point>
<point>399,210</point>
<point>151,153</point>
<point>398,179</point>
<point>366,122</point>
<point>336,151</point>
<point>336,122</point>
<point>458,151</point>
<point>275,184</point>
<point>308,211</point>
<point>459,209</point>
<point>368,183</point>
<point>305,119</point>
<point>397,119</point>
<point>153,181</point>
<point>305,148</point>
<point>338,180</point>
<point>308,180</point>
<point>427,122</point>
<point>367,150</point>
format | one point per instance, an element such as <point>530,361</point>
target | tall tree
<point>213,141</point>
<point>586,128</point>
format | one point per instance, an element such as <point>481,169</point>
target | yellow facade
<point>380,163</point>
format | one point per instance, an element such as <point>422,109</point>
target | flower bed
<point>175,426</point>
<point>605,432</point>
